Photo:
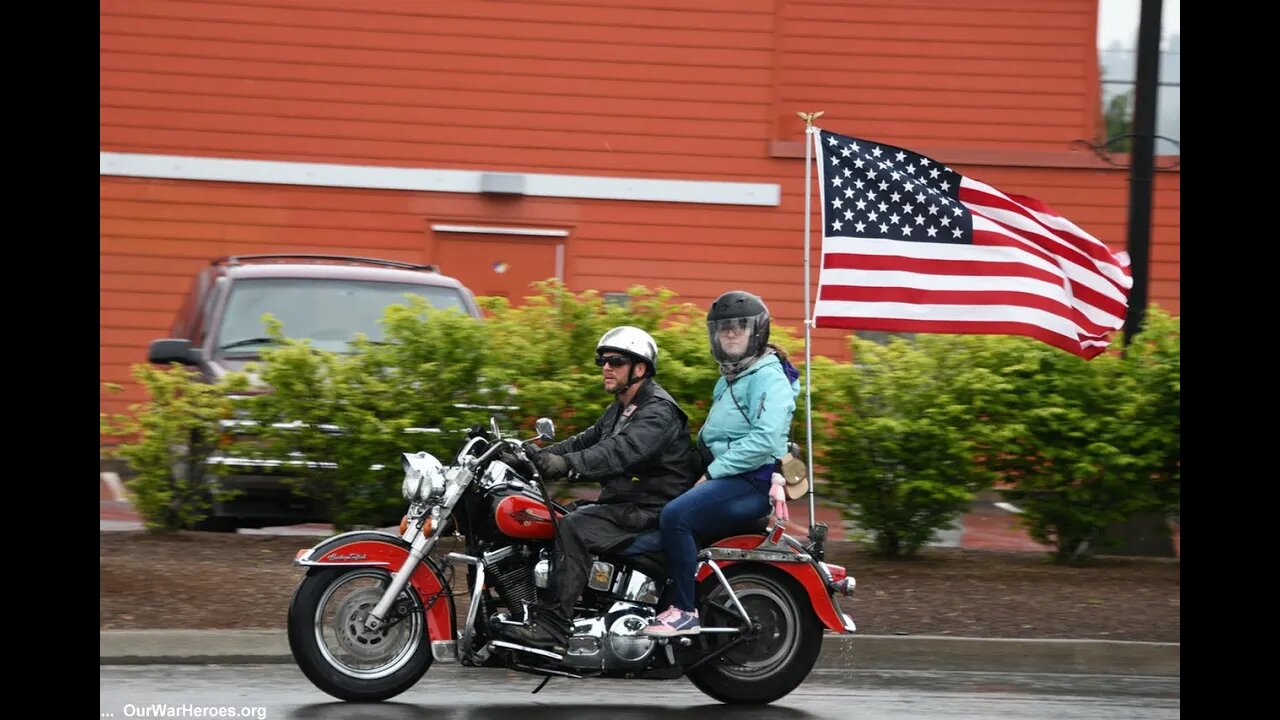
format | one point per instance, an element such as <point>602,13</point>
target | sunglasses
<point>613,361</point>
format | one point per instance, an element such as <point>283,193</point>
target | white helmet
<point>631,341</point>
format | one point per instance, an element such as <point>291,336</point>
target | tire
<point>328,652</point>
<point>774,663</point>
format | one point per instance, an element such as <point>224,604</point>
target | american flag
<point>910,245</point>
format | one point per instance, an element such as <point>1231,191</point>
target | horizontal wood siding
<point>963,73</point>
<point>493,85</point>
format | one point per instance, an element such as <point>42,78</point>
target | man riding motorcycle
<point>640,453</point>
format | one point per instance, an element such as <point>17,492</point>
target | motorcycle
<point>375,610</point>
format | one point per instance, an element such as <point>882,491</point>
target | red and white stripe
<point>1029,271</point>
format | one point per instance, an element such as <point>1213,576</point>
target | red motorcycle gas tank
<point>520,517</point>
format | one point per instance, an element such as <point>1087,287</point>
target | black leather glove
<point>551,466</point>
<point>508,455</point>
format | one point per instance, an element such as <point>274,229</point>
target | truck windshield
<point>329,312</point>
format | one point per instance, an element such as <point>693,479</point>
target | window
<point>621,299</point>
<point>1118,59</point>
<point>329,312</point>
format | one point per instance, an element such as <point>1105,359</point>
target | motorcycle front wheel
<point>335,651</point>
<point>779,657</point>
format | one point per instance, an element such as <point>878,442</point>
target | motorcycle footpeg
<point>523,648</point>
<point>683,640</point>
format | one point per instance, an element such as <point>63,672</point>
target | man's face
<point>733,338</point>
<point>615,370</point>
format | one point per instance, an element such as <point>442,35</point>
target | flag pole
<point>809,131</point>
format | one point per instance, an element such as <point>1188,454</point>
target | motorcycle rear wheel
<point>779,658</point>
<point>336,653</point>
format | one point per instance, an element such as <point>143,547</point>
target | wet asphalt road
<point>280,692</point>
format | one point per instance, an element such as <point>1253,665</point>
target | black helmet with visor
<point>738,327</point>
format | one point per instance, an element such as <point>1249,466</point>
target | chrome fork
<point>468,629</point>
<point>419,549</point>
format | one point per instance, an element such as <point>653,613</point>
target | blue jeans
<point>716,507</point>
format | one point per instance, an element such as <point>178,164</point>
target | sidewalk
<point>839,652</point>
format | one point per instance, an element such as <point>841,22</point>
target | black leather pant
<point>593,530</point>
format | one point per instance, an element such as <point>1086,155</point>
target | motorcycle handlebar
<point>497,447</point>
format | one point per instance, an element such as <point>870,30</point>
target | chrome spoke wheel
<point>774,645</point>
<point>777,653</point>
<point>342,638</point>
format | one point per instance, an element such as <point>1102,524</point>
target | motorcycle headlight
<point>412,483</point>
<point>423,477</point>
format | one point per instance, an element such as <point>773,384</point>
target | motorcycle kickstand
<point>546,679</point>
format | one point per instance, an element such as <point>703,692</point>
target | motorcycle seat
<point>645,552</point>
<point>652,541</point>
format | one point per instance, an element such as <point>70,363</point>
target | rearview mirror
<point>546,429</point>
<point>171,350</point>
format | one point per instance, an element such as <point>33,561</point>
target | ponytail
<point>788,369</point>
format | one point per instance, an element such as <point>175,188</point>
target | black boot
<point>545,631</point>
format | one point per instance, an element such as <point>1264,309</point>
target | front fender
<point>821,598</point>
<point>367,548</point>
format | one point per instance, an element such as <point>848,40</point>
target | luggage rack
<point>239,259</point>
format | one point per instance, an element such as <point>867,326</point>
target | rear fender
<point>821,598</point>
<point>364,548</point>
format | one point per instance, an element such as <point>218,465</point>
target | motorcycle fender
<point>820,598</point>
<point>379,549</point>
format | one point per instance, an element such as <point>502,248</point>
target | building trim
<point>495,230</point>
<point>588,187</point>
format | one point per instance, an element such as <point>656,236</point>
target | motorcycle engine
<point>613,641</point>
<point>512,573</point>
<point>628,647</point>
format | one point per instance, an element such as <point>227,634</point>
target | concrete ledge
<point>189,647</point>
<point>839,652</point>
<point>926,652</point>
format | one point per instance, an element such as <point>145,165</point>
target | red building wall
<point>1001,90</point>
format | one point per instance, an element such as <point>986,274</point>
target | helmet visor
<point>733,338</point>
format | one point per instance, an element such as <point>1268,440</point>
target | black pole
<point>1143,161</point>
<point>1146,533</point>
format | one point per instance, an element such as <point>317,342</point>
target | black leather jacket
<point>640,453</point>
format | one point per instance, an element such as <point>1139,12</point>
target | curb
<point>839,652</point>
<point>934,652</point>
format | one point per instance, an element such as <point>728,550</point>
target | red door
<point>496,264</point>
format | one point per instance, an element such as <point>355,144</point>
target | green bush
<point>537,358</point>
<point>904,436</point>
<point>1084,445</point>
<point>1154,360</point>
<point>545,351</point>
<point>916,427</point>
<point>350,415</point>
<point>167,442</point>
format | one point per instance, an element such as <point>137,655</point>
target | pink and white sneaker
<point>672,622</point>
